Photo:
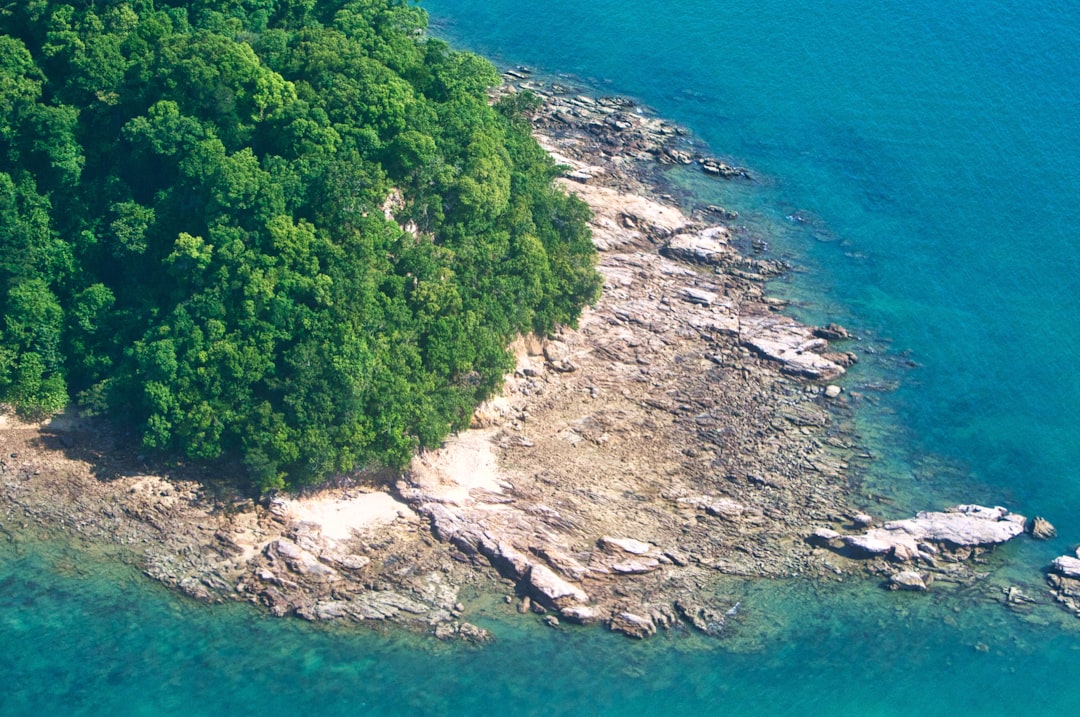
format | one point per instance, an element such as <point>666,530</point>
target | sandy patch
<point>466,463</point>
<point>340,515</point>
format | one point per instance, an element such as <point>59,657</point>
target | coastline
<point>550,498</point>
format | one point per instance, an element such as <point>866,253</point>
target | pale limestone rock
<point>786,341</point>
<point>636,567</point>
<point>633,625</point>
<point>907,580</point>
<point>966,525</point>
<point>1067,566</point>
<point>627,545</point>
<point>581,614</point>
<point>705,247</point>
<point>553,589</point>
<point>699,296</point>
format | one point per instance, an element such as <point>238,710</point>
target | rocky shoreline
<point>688,429</point>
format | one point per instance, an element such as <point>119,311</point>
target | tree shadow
<point>112,451</point>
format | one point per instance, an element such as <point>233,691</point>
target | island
<point>355,330</point>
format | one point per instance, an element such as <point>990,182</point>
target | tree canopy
<point>201,227</point>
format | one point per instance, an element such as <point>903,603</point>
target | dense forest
<point>291,232</point>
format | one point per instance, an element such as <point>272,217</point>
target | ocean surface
<point>919,162</point>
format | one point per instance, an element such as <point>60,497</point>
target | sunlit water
<point>929,151</point>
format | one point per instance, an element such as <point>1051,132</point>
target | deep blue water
<point>932,149</point>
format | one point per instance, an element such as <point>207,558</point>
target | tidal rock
<point>1068,566</point>
<point>965,525</point>
<point>709,246</point>
<point>632,625</point>
<point>703,618</point>
<point>581,614</point>
<point>832,332</point>
<point>833,391</point>
<point>553,590</point>
<point>907,580</point>
<point>1041,528</point>
<point>792,345</point>
<point>823,537</point>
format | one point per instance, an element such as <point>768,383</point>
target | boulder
<point>709,246</point>
<point>581,614</point>
<point>632,625</point>
<point>627,545</point>
<point>553,590</point>
<point>635,567</point>
<point>1041,528</point>
<point>963,525</point>
<point>871,543</point>
<point>1067,566</point>
<point>823,537</point>
<point>907,580</point>
<point>832,332</point>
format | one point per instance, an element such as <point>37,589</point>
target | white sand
<point>340,515</point>
<point>467,462</point>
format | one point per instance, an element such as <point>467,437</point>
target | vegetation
<point>196,230</point>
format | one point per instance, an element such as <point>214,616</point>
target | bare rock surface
<point>960,526</point>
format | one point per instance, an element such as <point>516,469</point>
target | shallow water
<point>931,151</point>
<point>83,637</point>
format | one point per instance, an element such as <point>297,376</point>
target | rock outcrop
<point>923,535</point>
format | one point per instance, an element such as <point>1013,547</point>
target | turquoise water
<point>85,638</point>
<point>932,150</point>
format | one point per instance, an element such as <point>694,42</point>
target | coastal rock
<point>581,614</point>
<point>823,537</point>
<point>784,340</point>
<point>635,567</point>
<point>699,296</point>
<point>709,246</point>
<point>832,332</point>
<point>627,545</point>
<point>1068,566</point>
<point>1041,529</point>
<point>907,580</point>
<point>383,605</point>
<point>632,625</point>
<point>301,561</point>
<point>963,526</point>
<point>553,590</point>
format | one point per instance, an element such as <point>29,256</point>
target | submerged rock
<point>1041,529</point>
<point>553,590</point>
<point>632,625</point>
<point>908,580</point>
